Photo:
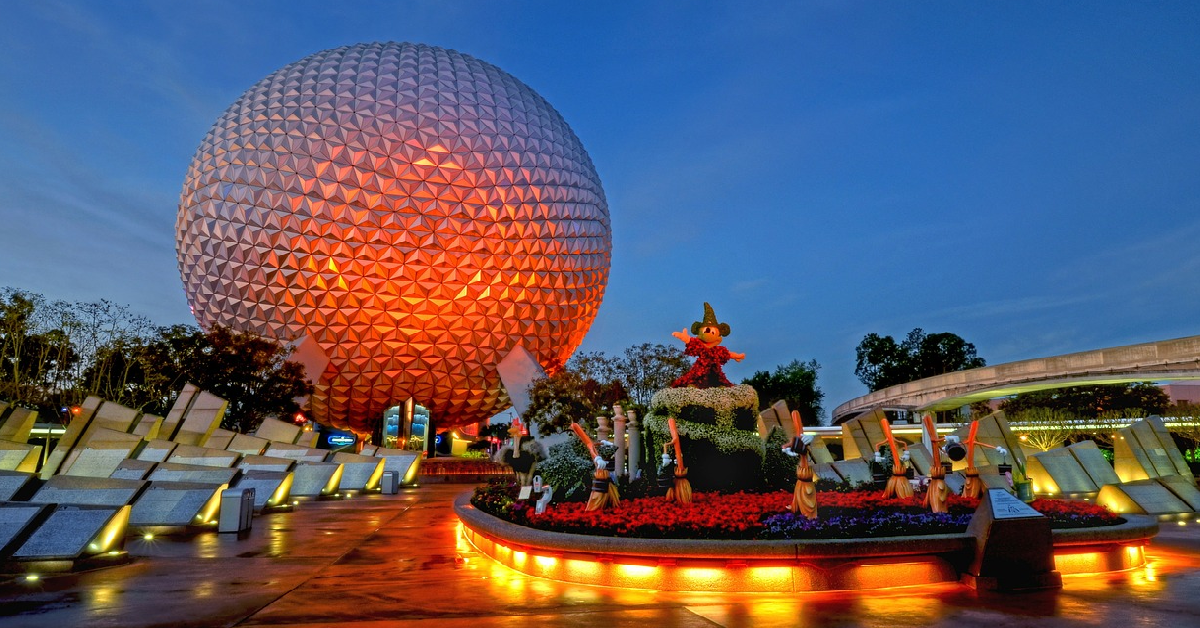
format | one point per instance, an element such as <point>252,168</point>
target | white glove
<point>951,438</point>
<point>788,451</point>
<point>904,456</point>
<point>878,458</point>
<point>1002,451</point>
<point>666,458</point>
<point>808,439</point>
<point>600,464</point>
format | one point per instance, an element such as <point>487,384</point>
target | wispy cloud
<point>51,177</point>
<point>749,285</point>
<point>161,70</point>
<point>1010,307</point>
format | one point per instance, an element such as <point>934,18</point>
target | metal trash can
<point>237,510</point>
<point>390,483</point>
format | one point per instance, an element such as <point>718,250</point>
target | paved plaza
<point>398,560</point>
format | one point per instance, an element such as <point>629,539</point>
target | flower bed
<point>843,515</point>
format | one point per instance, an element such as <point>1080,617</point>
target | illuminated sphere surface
<point>415,211</point>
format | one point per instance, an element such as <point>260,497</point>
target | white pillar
<point>635,443</point>
<point>619,461</point>
<point>603,430</point>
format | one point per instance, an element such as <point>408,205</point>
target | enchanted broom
<point>897,485</point>
<point>938,493</point>
<point>804,497</point>
<point>682,491</point>
<point>604,490</point>
<point>973,487</point>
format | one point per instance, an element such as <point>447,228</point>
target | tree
<point>593,365</point>
<point>591,383</point>
<point>557,401</point>
<point>37,358</point>
<point>110,338</point>
<point>119,374</point>
<point>642,370</point>
<point>1043,429</point>
<point>1188,429</point>
<point>53,354</point>
<point>567,396</point>
<point>794,383</point>
<point>647,368</point>
<point>1092,401</point>
<point>249,371</point>
<point>881,362</point>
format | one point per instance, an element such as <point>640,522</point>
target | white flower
<point>727,440</point>
<point>722,400</point>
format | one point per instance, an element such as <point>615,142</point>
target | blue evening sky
<point>1023,174</point>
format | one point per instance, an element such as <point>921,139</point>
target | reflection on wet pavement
<point>377,560</point>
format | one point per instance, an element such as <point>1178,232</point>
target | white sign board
<point>517,371</point>
<point>1006,506</point>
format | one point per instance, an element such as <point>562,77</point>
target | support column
<point>603,429</point>
<point>619,461</point>
<point>430,437</point>
<point>635,443</point>
<point>406,420</point>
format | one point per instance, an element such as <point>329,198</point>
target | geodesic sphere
<point>415,211</point>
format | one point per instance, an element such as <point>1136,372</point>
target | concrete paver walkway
<point>398,560</point>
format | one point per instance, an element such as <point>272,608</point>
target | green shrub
<point>779,469</point>
<point>569,469</point>
<point>496,498</point>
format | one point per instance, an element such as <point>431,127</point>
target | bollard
<point>237,510</point>
<point>390,483</point>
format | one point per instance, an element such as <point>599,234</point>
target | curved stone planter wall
<point>773,566</point>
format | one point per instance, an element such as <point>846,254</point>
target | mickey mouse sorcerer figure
<point>710,355</point>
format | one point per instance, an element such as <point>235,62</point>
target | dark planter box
<point>710,469</point>
<point>743,418</point>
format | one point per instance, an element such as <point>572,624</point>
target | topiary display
<point>715,420</point>
<point>718,432</point>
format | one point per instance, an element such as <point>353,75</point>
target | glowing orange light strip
<point>750,574</point>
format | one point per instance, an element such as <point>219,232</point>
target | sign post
<point>1014,549</point>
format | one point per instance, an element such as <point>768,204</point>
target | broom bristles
<point>973,487</point>
<point>898,486</point>
<point>937,495</point>
<point>607,497</point>
<point>804,495</point>
<point>682,491</point>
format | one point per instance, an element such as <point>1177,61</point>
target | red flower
<point>739,516</point>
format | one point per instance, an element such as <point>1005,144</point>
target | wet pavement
<point>398,560</point>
